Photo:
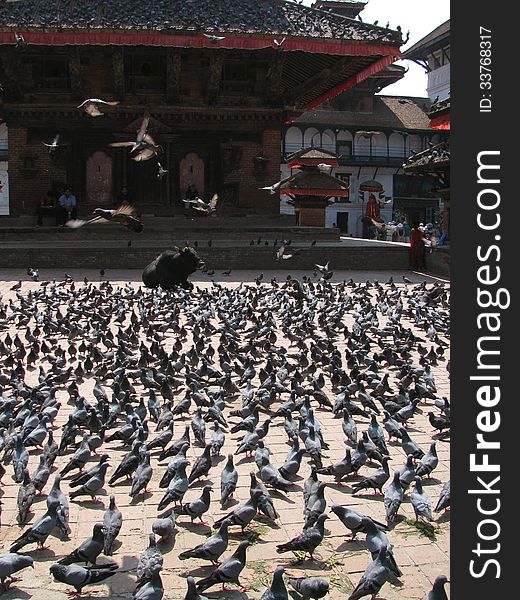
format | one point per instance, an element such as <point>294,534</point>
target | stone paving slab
<point>419,557</point>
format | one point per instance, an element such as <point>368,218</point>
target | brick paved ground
<point>420,558</point>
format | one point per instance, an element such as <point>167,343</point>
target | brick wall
<point>256,258</point>
<point>311,217</point>
<point>27,186</point>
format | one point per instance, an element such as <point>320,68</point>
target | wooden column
<point>75,74</point>
<point>9,73</point>
<point>118,69</point>
<point>216,62</point>
<point>173,74</point>
<point>274,88</point>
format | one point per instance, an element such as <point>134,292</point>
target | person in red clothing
<point>417,247</point>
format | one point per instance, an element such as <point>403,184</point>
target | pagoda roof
<point>436,39</point>
<point>391,112</point>
<point>313,183</point>
<point>216,17</point>
<point>312,157</point>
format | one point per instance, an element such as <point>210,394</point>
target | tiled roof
<point>315,180</point>
<point>274,17</point>
<point>312,153</point>
<point>395,112</point>
<point>437,37</point>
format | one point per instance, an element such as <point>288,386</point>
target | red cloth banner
<point>144,38</point>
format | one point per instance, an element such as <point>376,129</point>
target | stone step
<point>113,254</point>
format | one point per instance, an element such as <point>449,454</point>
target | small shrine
<point>313,185</point>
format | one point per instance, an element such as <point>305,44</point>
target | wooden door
<point>99,179</point>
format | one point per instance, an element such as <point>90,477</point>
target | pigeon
<point>196,508</point>
<point>243,514</point>
<point>310,588</point>
<point>164,528</point>
<point>352,519</point>
<point>142,138</point>
<point>270,475</point>
<point>161,171</point>
<point>142,476</point>
<point>122,214</point>
<point>277,589</point>
<point>376,538</point>
<point>38,532</point>
<point>59,501</point>
<point>90,106</point>
<point>374,577</point>
<point>112,522</point>
<point>212,548</point>
<point>20,459</point>
<point>228,481</point>
<point>152,588</point>
<point>202,465</point>
<point>177,486</point>
<point>438,592</point>
<point>265,502</point>
<point>407,473</point>
<point>374,481</point>
<point>148,559</point>
<point>214,38</point>
<point>340,469</point>
<point>93,485</point>
<point>444,498</point>
<point>25,498</point>
<point>428,462</point>
<point>89,550</point>
<point>228,571</point>
<point>55,144</point>
<point>314,506</point>
<point>192,593</point>
<point>421,502</point>
<point>394,495</point>
<point>10,564</point>
<point>82,478</point>
<point>208,208</point>
<point>308,540</point>
<point>79,459</point>
<point>78,576</point>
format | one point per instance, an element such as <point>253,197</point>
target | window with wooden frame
<point>51,72</point>
<point>145,70</point>
<point>238,77</point>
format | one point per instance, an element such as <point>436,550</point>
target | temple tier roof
<point>274,17</point>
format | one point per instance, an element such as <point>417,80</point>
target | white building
<point>372,145</point>
<point>432,53</point>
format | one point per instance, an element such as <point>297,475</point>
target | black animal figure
<point>172,268</point>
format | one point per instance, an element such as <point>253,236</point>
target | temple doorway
<point>99,179</point>
<point>191,172</point>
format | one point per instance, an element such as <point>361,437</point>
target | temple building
<point>217,81</point>
<point>373,136</point>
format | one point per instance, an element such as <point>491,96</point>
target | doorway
<point>191,172</point>
<point>342,221</point>
<point>99,179</point>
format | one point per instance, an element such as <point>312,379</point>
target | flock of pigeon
<point>109,392</point>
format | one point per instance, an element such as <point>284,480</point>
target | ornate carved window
<point>238,77</point>
<point>51,72</point>
<point>145,70</point>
